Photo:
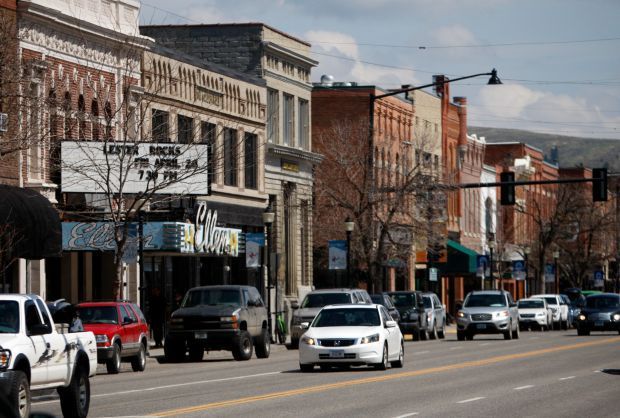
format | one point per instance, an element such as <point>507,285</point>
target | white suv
<point>559,309</point>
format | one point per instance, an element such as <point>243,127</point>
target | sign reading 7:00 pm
<point>134,167</point>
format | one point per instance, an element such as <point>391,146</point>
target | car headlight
<point>101,338</point>
<point>370,339</point>
<point>616,317</point>
<point>308,340</point>
<point>582,317</point>
<point>229,322</point>
<point>460,314</point>
<point>541,314</point>
<point>503,314</point>
<point>5,359</point>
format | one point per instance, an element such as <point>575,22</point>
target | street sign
<point>518,269</point>
<point>549,273</point>
<point>337,254</point>
<point>483,266</point>
<point>599,278</point>
<point>433,274</point>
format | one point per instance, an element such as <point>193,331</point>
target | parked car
<point>572,310</point>
<point>487,312</point>
<point>315,301</point>
<point>435,316</point>
<point>534,312</point>
<point>232,318</point>
<point>559,308</point>
<point>120,330</point>
<point>413,317</point>
<point>600,313</point>
<point>385,300</point>
<point>344,335</point>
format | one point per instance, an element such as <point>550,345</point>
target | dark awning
<point>29,224</point>
<point>232,215</point>
<point>461,260</point>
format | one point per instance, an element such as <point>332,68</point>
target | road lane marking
<point>483,344</point>
<point>422,352</point>
<point>224,379</point>
<point>472,399</point>
<point>408,415</point>
<point>349,383</point>
<point>524,387</point>
<point>455,348</point>
<point>566,378</point>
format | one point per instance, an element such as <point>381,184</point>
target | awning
<point>461,260</point>
<point>29,224</point>
<point>230,214</point>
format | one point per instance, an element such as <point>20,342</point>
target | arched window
<point>66,107</point>
<point>108,120</point>
<point>53,115</point>
<point>94,117</point>
<point>81,117</point>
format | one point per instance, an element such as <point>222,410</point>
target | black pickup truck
<point>232,318</point>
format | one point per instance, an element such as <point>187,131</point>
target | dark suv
<point>413,318</point>
<point>230,318</point>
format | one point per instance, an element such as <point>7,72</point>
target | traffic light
<point>507,189</point>
<point>599,184</point>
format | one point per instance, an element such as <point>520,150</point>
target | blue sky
<point>559,59</point>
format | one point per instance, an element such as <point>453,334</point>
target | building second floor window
<point>185,127</point>
<point>230,157</point>
<point>289,120</point>
<point>304,124</point>
<point>159,126</point>
<point>273,112</point>
<point>251,161</point>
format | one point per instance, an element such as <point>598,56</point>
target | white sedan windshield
<point>347,318</point>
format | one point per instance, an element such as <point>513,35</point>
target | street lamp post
<point>349,226</point>
<point>491,244</point>
<point>526,253</point>
<point>268,218</point>
<point>556,255</point>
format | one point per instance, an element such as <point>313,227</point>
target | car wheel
<point>263,345</point>
<point>564,325</point>
<point>515,333</point>
<point>75,398</point>
<point>442,331</point>
<point>508,333</point>
<point>469,336</point>
<point>401,357</point>
<point>113,365</point>
<point>174,352</point>
<point>556,326</point>
<point>415,336</point>
<point>583,332</point>
<point>19,395</point>
<point>138,363</point>
<point>433,334</point>
<point>383,365</point>
<point>460,335</point>
<point>422,335</point>
<point>196,352</point>
<point>242,346</point>
<point>306,368</point>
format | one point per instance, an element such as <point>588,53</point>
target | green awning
<point>461,260</point>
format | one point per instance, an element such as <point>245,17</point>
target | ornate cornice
<point>295,153</point>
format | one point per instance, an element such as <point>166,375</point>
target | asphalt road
<point>543,374</point>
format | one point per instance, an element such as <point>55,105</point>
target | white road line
<point>483,344</point>
<point>471,400</point>
<point>524,387</point>
<point>420,352</point>
<point>408,415</point>
<point>225,379</point>
<point>566,378</point>
<point>456,348</point>
<point>596,371</point>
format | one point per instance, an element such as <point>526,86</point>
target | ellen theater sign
<point>134,167</point>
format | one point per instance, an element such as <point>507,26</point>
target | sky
<point>559,60</point>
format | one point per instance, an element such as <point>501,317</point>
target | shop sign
<point>134,167</point>
<point>212,239</point>
<point>253,244</point>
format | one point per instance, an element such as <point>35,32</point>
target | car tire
<point>138,363</point>
<point>469,336</point>
<point>401,357</point>
<point>242,346</point>
<point>174,352</point>
<point>515,333</point>
<point>565,325</point>
<point>306,368</point>
<point>113,365</point>
<point>75,398</point>
<point>19,395</point>
<point>460,335</point>
<point>196,352</point>
<point>442,331</point>
<point>383,365</point>
<point>583,332</point>
<point>422,335</point>
<point>433,334</point>
<point>508,333</point>
<point>556,326</point>
<point>415,336</point>
<point>263,345</point>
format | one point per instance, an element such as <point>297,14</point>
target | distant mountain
<point>572,151</point>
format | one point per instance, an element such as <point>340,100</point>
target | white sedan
<point>344,335</point>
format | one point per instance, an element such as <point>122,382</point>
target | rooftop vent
<point>327,80</point>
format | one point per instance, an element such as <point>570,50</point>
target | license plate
<point>481,326</point>
<point>200,335</point>
<point>336,354</point>
<point>598,323</point>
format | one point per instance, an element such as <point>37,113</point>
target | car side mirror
<point>294,304</point>
<point>305,325</point>
<point>390,324</point>
<point>39,329</point>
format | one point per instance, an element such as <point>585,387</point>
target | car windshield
<point>551,300</point>
<point>212,297</point>
<point>347,318</point>
<point>476,301</point>
<point>403,300</point>
<point>98,314</point>
<point>427,302</point>
<point>9,317</point>
<point>318,300</point>
<point>531,304</point>
<point>603,302</point>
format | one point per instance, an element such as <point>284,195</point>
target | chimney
<point>461,102</point>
